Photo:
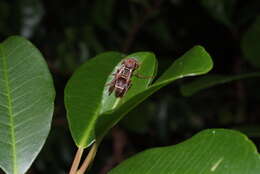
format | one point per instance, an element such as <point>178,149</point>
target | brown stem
<point>90,157</point>
<point>119,143</point>
<point>77,158</point>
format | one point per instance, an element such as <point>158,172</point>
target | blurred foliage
<point>212,80</point>
<point>221,10</point>
<point>70,32</point>
<point>251,43</point>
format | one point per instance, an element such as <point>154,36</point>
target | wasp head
<point>131,63</point>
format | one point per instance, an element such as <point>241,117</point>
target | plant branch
<point>90,157</point>
<point>76,161</point>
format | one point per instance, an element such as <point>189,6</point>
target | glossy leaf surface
<point>212,80</point>
<point>216,151</point>
<point>92,112</point>
<point>194,62</point>
<point>26,104</point>
<point>86,94</point>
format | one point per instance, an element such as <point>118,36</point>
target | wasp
<point>122,77</point>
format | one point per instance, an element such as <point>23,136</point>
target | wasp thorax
<point>131,63</point>
<point>122,78</point>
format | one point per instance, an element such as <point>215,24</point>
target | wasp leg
<point>142,76</point>
<point>127,87</point>
<point>112,83</point>
<point>112,86</point>
<point>111,89</point>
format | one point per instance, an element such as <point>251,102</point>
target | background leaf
<point>221,10</point>
<point>251,44</point>
<point>211,151</point>
<point>212,80</point>
<point>26,104</point>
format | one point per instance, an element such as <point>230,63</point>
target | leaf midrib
<point>10,108</point>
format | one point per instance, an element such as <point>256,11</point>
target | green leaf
<point>92,112</point>
<point>26,104</point>
<point>211,151</point>
<point>194,62</point>
<point>221,10</point>
<point>251,44</point>
<point>86,94</point>
<point>83,95</point>
<point>211,80</point>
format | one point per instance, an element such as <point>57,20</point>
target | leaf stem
<point>76,161</point>
<point>90,157</point>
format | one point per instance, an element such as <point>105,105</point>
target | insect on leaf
<point>87,96</point>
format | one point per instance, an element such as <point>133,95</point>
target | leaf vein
<point>15,48</point>
<point>5,124</point>
<point>4,142</point>
<point>4,94</point>
<point>20,96</point>
<point>20,62</point>
<point>24,121</point>
<point>24,83</point>
<point>29,136</point>
<point>10,109</point>
<point>4,106</point>
<point>26,108</point>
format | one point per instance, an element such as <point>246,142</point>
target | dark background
<point>70,32</point>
